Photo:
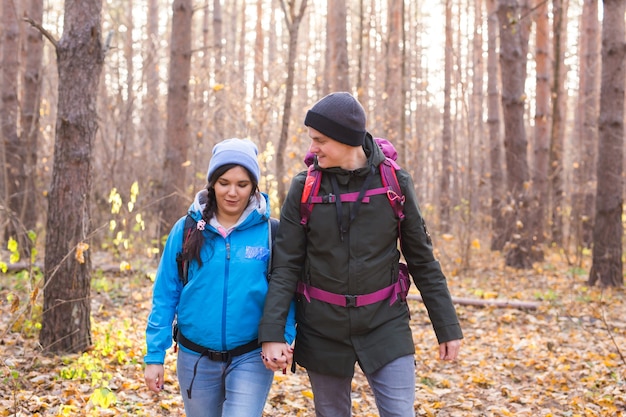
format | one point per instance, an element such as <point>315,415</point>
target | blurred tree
<point>540,193</point>
<point>586,131</point>
<point>337,67</point>
<point>607,266</point>
<point>394,97</point>
<point>445,198</point>
<point>496,170</point>
<point>513,53</point>
<point>31,102</point>
<point>15,194</point>
<point>559,109</point>
<point>177,140</point>
<point>293,18</point>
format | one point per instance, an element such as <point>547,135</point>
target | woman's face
<point>232,191</point>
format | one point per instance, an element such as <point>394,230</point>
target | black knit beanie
<point>340,117</point>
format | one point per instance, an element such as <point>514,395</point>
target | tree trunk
<point>445,199</point>
<point>177,139</point>
<point>513,72</point>
<point>540,192</point>
<point>394,92</point>
<point>293,18</point>
<point>498,225</point>
<point>586,127</point>
<point>557,134</point>
<point>154,142</point>
<point>15,151</point>
<point>31,102</point>
<point>67,272</point>
<point>607,267</point>
<point>475,136</point>
<point>219,117</point>
<point>337,44</point>
<point>127,130</point>
<point>259,51</point>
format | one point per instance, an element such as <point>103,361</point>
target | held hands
<point>153,376</point>
<point>448,351</point>
<point>276,356</point>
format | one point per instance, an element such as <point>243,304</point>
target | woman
<point>220,369</point>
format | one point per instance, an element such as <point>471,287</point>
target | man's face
<point>329,152</point>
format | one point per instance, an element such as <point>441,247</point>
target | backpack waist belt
<point>215,355</point>
<point>395,291</point>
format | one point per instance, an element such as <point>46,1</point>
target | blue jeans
<point>235,389</point>
<point>393,386</point>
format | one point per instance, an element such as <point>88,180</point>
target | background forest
<point>508,113</point>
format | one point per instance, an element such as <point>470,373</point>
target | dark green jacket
<point>330,339</point>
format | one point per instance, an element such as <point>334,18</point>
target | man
<point>349,249</point>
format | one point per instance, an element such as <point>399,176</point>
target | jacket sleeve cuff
<point>154,358</point>
<point>448,333</point>
<point>271,332</point>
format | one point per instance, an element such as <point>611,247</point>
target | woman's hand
<point>277,355</point>
<point>153,375</point>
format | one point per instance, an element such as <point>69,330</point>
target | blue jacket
<point>222,303</point>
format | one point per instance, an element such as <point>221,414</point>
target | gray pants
<point>393,386</point>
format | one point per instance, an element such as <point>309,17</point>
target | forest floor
<point>562,358</point>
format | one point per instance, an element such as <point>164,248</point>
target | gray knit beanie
<point>340,117</point>
<point>235,151</point>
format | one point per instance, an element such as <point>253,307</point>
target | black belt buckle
<point>350,300</point>
<point>218,356</point>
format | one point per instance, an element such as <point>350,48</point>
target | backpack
<point>391,188</point>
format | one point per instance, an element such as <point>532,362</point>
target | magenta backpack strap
<point>390,180</point>
<point>311,188</point>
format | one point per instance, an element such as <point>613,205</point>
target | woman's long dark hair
<point>192,245</point>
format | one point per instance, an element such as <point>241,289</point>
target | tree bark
<point>496,174</point>
<point>177,138</point>
<point>607,266</point>
<point>219,117</point>
<point>293,18</point>
<point>513,46</point>
<point>15,150</point>
<point>259,51</point>
<point>586,127</point>
<point>541,146</point>
<point>151,76</point>
<point>394,92</point>
<point>445,198</point>
<point>67,274</point>
<point>337,47</point>
<point>557,133</point>
<point>31,103</point>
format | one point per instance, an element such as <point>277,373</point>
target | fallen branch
<point>523,305</point>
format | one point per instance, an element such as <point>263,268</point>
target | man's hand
<point>449,351</point>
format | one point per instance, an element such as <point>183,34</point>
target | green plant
<point>126,224</point>
<point>548,295</point>
<point>111,346</point>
